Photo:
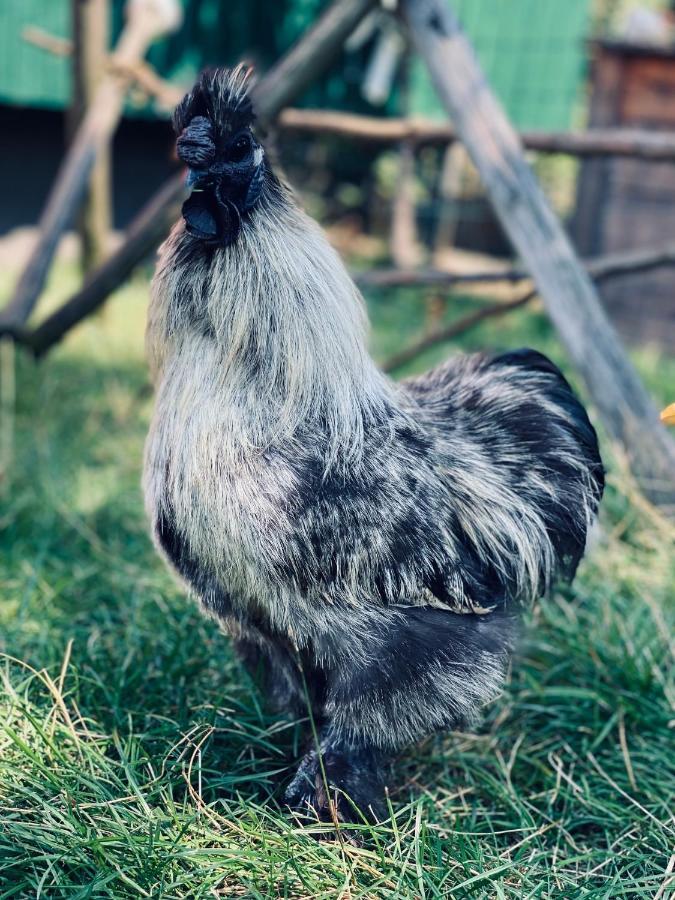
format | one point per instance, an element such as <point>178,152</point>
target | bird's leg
<point>337,781</point>
<point>422,670</point>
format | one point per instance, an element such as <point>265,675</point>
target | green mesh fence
<point>532,51</point>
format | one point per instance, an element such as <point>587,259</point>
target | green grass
<point>137,760</point>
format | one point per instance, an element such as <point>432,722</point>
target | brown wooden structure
<point>629,204</point>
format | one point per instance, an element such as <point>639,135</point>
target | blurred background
<point>591,63</point>
<point>122,712</point>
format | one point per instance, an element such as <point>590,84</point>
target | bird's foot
<point>338,786</point>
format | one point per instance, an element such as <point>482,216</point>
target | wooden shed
<point>628,204</point>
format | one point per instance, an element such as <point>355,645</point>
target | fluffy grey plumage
<point>378,537</point>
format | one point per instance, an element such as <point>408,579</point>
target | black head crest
<point>222,97</point>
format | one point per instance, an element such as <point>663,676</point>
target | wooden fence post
<point>566,289</point>
<point>90,23</point>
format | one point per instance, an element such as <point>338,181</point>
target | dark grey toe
<point>349,787</point>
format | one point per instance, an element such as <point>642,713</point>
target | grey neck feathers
<point>282,325</point>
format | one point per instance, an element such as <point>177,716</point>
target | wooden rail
<point>637,143</point>
<point>602,268</point>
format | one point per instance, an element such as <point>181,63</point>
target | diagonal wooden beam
<point>142,236</point>
<point>146,20</point>
<point>310,56</point>
<point>568,294</point>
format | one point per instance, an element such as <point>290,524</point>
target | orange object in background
<point>668,415</point>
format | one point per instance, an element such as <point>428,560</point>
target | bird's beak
<point>668,415</point>
<point>194,177</point>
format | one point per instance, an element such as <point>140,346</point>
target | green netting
<point>28,75</point>
<point>532,51</point>
<point>214,32</point>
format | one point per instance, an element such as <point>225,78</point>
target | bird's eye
<point>240,148</point>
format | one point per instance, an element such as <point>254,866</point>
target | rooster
<point>367,544</point>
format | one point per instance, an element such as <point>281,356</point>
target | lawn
<point>137,760</point>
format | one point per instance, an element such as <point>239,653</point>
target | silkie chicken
<point>367,544</point>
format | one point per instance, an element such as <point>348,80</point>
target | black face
<point>226,178</point>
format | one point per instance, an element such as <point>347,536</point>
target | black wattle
<point>200,217</point>
<point>211,219</point>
